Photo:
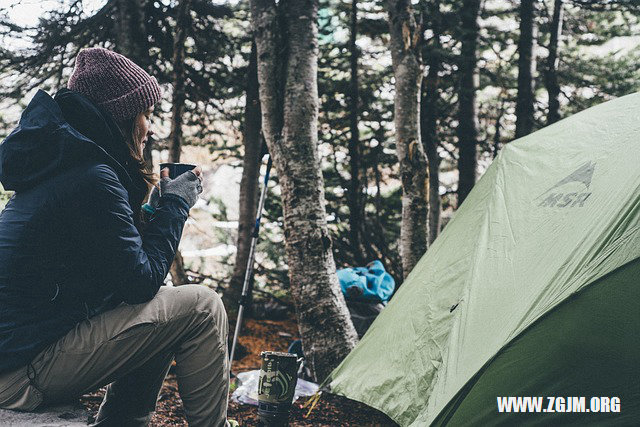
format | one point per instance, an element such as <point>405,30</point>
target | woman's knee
<point>209,304</point>
<point>193,299</point>
<point>203,299</point>
<point>210,301</point>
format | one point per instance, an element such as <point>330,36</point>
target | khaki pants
<point>131,348</point>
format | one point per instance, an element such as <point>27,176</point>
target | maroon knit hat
<point>114,82</point>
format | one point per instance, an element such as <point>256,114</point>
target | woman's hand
<point>187,186</point>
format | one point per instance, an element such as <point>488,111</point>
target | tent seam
<point>469,280</point>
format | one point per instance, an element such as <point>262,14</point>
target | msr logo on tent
<point>571,191</point>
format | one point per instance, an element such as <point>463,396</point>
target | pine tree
<point>526,67</point>
<point>467,114</point>
<point>286,40</point>
<point>406,36</point>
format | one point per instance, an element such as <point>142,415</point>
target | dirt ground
<point>257,336</point>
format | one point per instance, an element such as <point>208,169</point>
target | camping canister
<point>276,386</point>
<point>176,169</point>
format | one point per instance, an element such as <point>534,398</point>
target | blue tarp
<point>370,283</point>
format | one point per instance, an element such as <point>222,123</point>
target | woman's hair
<point>128,128</point>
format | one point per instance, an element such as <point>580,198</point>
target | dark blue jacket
<point>70,242</point>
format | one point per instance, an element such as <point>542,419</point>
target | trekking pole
<point>244,299</point>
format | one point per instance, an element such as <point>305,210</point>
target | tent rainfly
<point>532,290</point>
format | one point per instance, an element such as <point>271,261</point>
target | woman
<point>81,270</point>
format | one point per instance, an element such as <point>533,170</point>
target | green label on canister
<point>278,378</point>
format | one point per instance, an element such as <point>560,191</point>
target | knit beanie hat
<point>114,83</point>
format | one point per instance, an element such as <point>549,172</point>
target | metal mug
<point>276,387</point>
<point>176,169</point>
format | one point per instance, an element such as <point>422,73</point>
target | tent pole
<point>244,299</point>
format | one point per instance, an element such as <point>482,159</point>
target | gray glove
<point>187,186</point>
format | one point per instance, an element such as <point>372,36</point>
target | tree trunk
<point>467,112</point>
<point>497,137</point>
<point>551,77</point>
<point>131,41</point>
<point>249,188</point>
<point>177,111</point>
<point>131,36</point>
<point>178,273</point>
<point>429,118</point>
<point>526,68</point>
<point>286,38</point>
<point>354,196</point>
<point>407,68</point>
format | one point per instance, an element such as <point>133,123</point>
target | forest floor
<point>258,336</point>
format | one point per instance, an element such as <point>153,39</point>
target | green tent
<point>533,289</point>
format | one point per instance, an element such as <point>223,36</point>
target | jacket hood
<point>55,134</point>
